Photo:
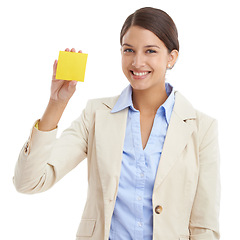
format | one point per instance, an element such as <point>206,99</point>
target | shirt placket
<point>140,175</point>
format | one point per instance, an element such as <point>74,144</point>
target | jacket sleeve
<point>44,159</point>
<point>205,212</point>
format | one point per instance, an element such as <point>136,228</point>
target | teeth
<point>140,73</point>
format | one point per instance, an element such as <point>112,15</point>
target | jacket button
<point>26,147</point>
<point>158,209</point>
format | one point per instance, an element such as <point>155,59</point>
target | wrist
<point>58,103</point>
<point>52,115</point>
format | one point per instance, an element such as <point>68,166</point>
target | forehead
<point>137,36</point>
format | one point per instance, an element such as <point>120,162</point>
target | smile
<point>139,73</point>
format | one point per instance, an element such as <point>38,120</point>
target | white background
<point>33,32</point>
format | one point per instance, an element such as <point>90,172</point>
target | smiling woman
<point>145,57</point>
<point>153,159</point>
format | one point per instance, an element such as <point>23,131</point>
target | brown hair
<point>156,21</point>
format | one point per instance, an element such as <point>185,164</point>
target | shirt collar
<point>125,100</point>
<point>169,103</point>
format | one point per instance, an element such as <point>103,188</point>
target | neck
<point>148,101</point>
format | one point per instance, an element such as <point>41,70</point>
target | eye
<point>128,50</point>
<point>151,51</point>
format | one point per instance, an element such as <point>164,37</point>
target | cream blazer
<point>186,194</point>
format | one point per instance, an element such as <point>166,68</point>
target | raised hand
<point>62,90</point>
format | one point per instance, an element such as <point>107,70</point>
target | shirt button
<point>139,224</point>
<point>141,175</point>
<point>158,209</point>
<point>139,198</point>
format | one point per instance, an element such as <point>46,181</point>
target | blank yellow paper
<point>71,66</point>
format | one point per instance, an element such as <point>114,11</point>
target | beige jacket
<point>186,195</point>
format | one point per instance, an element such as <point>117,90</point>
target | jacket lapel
<point>178,134</point>
<point>110,133</point>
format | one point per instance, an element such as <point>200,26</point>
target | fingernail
<point>74,83</point>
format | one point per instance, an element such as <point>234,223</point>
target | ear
<point>172,57</point>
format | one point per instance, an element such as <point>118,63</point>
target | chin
<point>139,86</point>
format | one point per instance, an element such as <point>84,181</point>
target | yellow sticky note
<point>71,66</point>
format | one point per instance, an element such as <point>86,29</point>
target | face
<point>145,58</point>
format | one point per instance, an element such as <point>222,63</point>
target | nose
<point>138,61</point>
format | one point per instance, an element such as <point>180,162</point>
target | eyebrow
<point>147,46</point>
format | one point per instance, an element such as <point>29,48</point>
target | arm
<point>205,212</point>
<point>45,159</point>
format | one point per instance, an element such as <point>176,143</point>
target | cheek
<point>125,64</point>
<point>159,64</point>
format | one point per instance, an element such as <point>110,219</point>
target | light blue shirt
<point>133,213</point>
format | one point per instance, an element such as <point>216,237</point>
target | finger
<point>80,51</point>
<point>54,68</point>
<point>73,83</point>
<point>72,86</point>
<point>67,49</point>
<point>73,50</point>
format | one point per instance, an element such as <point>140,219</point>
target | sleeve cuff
<point>36,125</point>
<point>38,135</point>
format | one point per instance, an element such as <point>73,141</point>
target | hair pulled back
<point>156,21</point>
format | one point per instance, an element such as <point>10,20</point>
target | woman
<point>153,160</point>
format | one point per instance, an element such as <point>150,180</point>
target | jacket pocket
<point>86,228</point>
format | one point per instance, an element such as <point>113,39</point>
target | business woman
<point>153,160</point>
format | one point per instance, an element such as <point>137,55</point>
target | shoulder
<point>101,103</point>
<point>185,109</point>
<point>96,104</point>
<point>207,127</point>
<point>93,105</point>
<point>201,121</point>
